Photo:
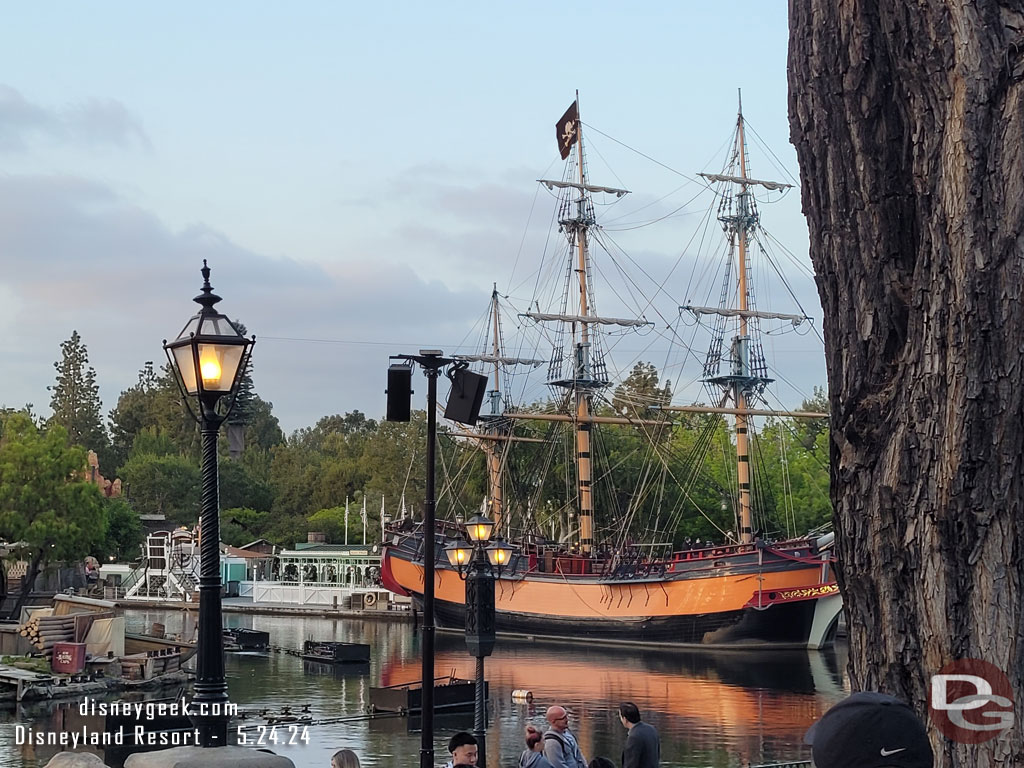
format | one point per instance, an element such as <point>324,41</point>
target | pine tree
<point>242,412</point>
<point>76,397</point>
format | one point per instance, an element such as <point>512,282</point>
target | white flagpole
<point>346,520</point>
<point>364,518</point>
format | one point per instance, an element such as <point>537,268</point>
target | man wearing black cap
<point>870,730</point>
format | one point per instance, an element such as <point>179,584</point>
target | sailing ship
<point>747,591</point>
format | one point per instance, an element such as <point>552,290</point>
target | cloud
<point>92,123</point>
<point>74,255</point>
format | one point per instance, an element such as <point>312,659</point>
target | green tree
<point>48,509</point>
<point>239,487</point>
<point>152,404</point>
<point>332,522</point>
<point>263,430</point>
<point>809,429</point>
<point>124,531</point>
<point>245,390</point>
<point>639,393</point>
<point>240,525</point>
<point>75,399</point>
<point>167,485</point>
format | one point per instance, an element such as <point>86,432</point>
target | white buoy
<point>521,694</point>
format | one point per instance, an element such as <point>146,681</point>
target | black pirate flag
<point>567,129</point>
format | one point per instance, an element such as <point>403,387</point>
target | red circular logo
<point>971,701</point>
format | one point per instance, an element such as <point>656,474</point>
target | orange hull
<point>573,598</point>
<point>745,598</point>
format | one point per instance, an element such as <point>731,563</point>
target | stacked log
<point>45,631</point>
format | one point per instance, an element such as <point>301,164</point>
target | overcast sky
<point>357,175</point>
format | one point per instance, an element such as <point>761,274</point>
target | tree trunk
<point>908,120</point>
<point>29,582</point>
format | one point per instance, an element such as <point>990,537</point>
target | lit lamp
<point>207,358</point>
<point>459,554</point>
<point>479,529</point>
<point>499,554</point>
<point>479,564</point>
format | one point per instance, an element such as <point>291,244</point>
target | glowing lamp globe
<point>479,529</point>
<point>209,353</point>
<point>499,553</point>
<point>459,554</point>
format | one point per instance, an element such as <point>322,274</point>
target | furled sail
<point>795,319</point>
<point>742,180</point>
<point>500,360</point>
<point>550,184</point>
<point>593,319</point>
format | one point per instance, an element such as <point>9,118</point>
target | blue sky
<point>357,175</point>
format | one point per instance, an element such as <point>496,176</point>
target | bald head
<point>558,717</point>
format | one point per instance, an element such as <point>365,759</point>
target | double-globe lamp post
<point>479,564</point>
<point>207,358</point>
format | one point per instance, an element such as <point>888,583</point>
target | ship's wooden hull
<point>726,601</point>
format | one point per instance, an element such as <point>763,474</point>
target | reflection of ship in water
<point>761,703</point>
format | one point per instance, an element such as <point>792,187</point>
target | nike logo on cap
<point>886,752</point>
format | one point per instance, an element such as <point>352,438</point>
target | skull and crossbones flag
<point>567,129</point>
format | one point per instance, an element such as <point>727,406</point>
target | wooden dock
<point>21,681</point>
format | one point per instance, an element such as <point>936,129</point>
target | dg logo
<point>971,701</point>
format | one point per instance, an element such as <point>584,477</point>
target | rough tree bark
<point>908,120</point>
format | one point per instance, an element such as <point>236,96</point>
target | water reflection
<point>722,710</point>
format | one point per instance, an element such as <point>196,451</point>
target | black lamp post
<point>207,358</point>
<point>399,392</point>
<point>463,406</point>
<point>479,564</point>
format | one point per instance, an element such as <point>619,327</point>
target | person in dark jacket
<point>533,755</point>
<point>643,748</point>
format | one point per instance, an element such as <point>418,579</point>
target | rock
<point>216,757</point>
<point>75,760</point>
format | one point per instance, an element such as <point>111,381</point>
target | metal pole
<point>480,715</point>
<point>480,637</point>
<point>211,688</point>
<point>431,369</point>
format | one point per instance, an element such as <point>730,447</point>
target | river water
<point>713,710</point>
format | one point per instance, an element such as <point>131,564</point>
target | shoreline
<point>244,605</point>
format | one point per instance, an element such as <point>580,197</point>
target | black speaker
<point>399,392</point>
<point>466,397</point>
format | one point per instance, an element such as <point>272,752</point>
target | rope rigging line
<point>779,164</point>
<point>526,228</point>
<point>637,151</point>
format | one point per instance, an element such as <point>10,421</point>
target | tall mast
<point>743,349</point>
<point>490,447</point>
<point>747,373</point>
<point>583,464</point>
<point>580,372</point>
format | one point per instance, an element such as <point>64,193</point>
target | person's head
<point>629,714</point>
<point>600,762</point>
<point>558,717</point>
<point>870,730</point>
<point>463,748</point>
<point>534,739</point>
<point>345,758</point>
